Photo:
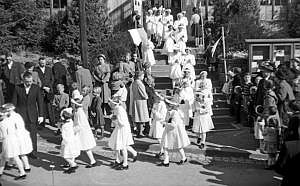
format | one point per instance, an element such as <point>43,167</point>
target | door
<point>176,8</point>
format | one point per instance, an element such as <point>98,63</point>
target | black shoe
<point>162,164</point>
<point>116,164</point>
<point>22,177</point>
<point>91,165</point>
<point>122,167</point>
<point>8,167</point>
<point>65,166</point>
<point>198,140</point>
<point>139,136</point>
<point>70,170</point>
<point>158,155</point>
<point>27,170</point>
<point>182,162</point>
<point>201,146</point>
<point>135,157</point>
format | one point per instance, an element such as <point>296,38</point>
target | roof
<point>284,40</point>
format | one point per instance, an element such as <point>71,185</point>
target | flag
<point>138,35</point>
<point>215,47</point>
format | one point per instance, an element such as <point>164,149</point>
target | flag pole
<point>224,53</point>
<point>202,28</point>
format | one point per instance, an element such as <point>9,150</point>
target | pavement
<point>230,158</point>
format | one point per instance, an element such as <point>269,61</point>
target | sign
<point>297,50</point>
<point>279,53</point>
<point>258,57</point>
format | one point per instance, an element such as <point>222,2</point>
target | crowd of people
<point>119,101</point>
<point>271,101</point>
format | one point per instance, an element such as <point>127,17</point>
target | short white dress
<point>87,140</point>
<point>175,136</point>
<point>23,136</point>
<point>169,44</point>
<point>175,63</point>
<point>158,117</point>
<point>148,53</point>
<point>8,136</point>
<point>70,145</point>
<point>202,120</point>
<point>121,136</point>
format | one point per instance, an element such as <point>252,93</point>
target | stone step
<point>218,96</point>
<point>220,104</point>
<point>223,119</point>
<point>221,111</point>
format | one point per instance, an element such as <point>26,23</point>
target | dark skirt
<point>196,30</point>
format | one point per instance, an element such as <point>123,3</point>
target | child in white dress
<point>148,53</point>
<point>174,136</point>
<point>189,62</point>
<point>70,145</point>
<point>175,62</point>
<point>169,42</point>
<point>87,140</point>
<point>23,136</point>
<point>181,38</point>
<point>121,137</point>
<point>10,144</point>
<point>202,119</point>
<point>158,117</point>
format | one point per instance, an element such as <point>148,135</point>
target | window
<point>46,3</point>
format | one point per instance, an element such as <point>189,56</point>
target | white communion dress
<point>158,116</point>
<point>70,145</point>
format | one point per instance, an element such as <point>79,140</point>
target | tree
<point>62,33</point>
<point>21,25</point>
<point>291,21</point>
<point>241,20</point>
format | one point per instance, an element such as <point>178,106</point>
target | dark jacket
<point>98,120</point>
<point>59,74</point>
<point>13,75</point>
<point>29,106</point>
<point>47,81</point>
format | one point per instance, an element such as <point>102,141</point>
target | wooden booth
<point>279,51</point>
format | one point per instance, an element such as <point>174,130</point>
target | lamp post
<point>83,36</point>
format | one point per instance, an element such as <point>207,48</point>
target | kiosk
<point>278,51</point>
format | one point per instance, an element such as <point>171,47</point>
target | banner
<point>138,35</point>
<point>213,50</point>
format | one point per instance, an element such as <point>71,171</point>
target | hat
<point>168,10</point>
<point>116,85</point>
<point>66,113</point>
<point>183,12</point>
<point>179,14</point>
<point>9,106</point>
<point>203,73</point>
<point>281,75</point>
<point>102,55</point>
<point>266,67</point>
<point>29,65</point>
<point>188,49</point>
<point>237,70</point>
<point>76,98</point>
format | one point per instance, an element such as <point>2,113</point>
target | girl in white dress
<point>10,145</point>
<point>174,136</point>
<point>167,21</point>
<point>158,117</point>
<point>175,62</point>
<point>202,119</point>
<point>23,136</point>
<point>121,137</point>
<point>187,94</point>
<point>181,38</point>
<point>159,27</point>
<point>148,53</point>
<point>189,62</point>
<point>70,145</point>
<point>204,85</point>
<point>87,140</point>
<point>169,42</point>
<point>150,23</point>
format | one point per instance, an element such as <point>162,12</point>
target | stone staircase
<point>161,70</point>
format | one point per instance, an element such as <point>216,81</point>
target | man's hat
<point>266,67</point>
<point>281,75</point>
<point>28,65</point>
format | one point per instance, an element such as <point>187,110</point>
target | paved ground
<point>228,160</point>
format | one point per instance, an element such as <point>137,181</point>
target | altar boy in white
<point>70,145</point>
<point>174,136</point>
<point>121,137</point>
<point>23,136</point>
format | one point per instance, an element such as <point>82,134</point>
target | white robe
<point>148,53</point>
<point>8,136</point>
<point>187,94</point>
<point>189,62</point>
<point>202,120</point>
<point>87,140</point>
<point>205,86</point>
<point>150,25</point>
<point>175,62</point>
<point>158,116</point>
<point>181,39</point>
<point>121,136</point>
<point>70,145</point>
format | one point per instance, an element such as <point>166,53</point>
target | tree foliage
<point>63,34</point>
<point>292,20</point>
<point>21,25</point>
<point>240,19</point>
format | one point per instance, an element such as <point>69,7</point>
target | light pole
<point>83,36</point>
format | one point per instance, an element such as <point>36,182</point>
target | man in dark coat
<point>266,73</point>
<point>46,77</point>
<point>11,75</point>
<point>59,73</point>
<point>29,104</point>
